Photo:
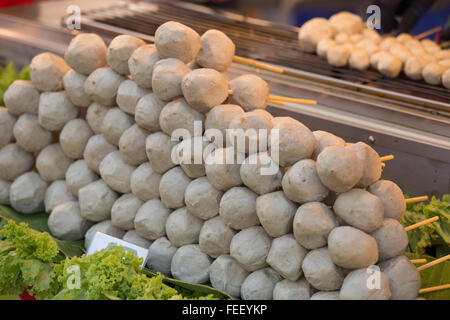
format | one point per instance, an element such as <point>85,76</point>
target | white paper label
<point>102,241</point>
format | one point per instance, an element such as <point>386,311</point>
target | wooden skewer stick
<point>444,44</point>
<point>436,288</point>
<point>281,103</point>
<point>422,223</point>
<point>416,199</point>
<point>383,164</point>
<point>387,158</point>
<point>417,261</point>
<point>287,99</point>
<point>427,33</point>
<point>256,64</point>
<point>433,263</point>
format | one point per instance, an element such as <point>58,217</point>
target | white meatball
<point>133,237</point>
<point>217,50</point>
<point>359,59</point>
<point>74,86</point>
<point>219,118</point>
<point>355,286</point>
<point>286,257</point>
<point>132,145</point>
<point>313,31</point>
<point>391,196</point>
<point>56,194</point>
<point>179,115</point>
<point>147,112</point>
<point>160,255</point>
<point>250,248</point>
<point>371,163</point>
<point>391,239</point>
<point>404,279</point>
<point>414,66</point>
<point>94,116</point>
<point>339,168</point>
<point>215,237</point>
<point>190,154</point>
<point>85,53</point>
<point>238,208</point>
<point>250,132</point>
<point>55,110</point>
<point>141,65</point>
<point>226,274</point>
<point>446,79</point>
<point>65,222</point>
<point>323,45</point>
<point>313,222</point>
<point>124,211</point>
<point>29,134</point>
<point>14,161</point>
<point>368,45</point>
<point>116,173</point>
<point>202,199</point>
<point>74,138</point>
<point>102,85</point>
<point>342,38</point>
<point>158,147</point>
<point>249,91</point>
<point>150,220</point>
<point>183,228</point>
<point>166,78</point>
<point>325,139</point>
<point>260,173</point>
<point>389,65</point>
<point>338,55</point>
<point>400,52</point>
<point>114,125</point>
<point>128,95</point>
<point>47,71</point>
<point>321,272</point>
<point>259,285</point>
<point>347,22</point>
<point>172,187</point>
<point>352,248</point>
<point>276,213</point>
<point>223,169</point>
<point>4,191</point>
<point>96,200</point>
<point>27,193</point>
<point>144,182</point>
<point>78,175</point>
<point>292,290</point>
<point>301,183</point>
<point>52,163</point>
<point>432,73</point>
<point>104,227</point>
<point>96,149</point>
<point>190,264</point>
<point>204,89</point>
<point>120,50</point>
<point>296,141</point>
<point>360,209</point>
<point>175,40</point>
<point>21,97</point>
<point>7,123</point>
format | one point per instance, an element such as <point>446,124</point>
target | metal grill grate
<point>270,42</point>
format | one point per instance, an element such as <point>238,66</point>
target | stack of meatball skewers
<point>90,139</point>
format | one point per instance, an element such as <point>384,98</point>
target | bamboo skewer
<point>436,288</point>
<point>422,223</point>
<point>387,158</point>
<point>416,199</point>
<point>418,261</point>
<point>281,99</point>
<point>256,64</point>
<point>427,33</point>
<point>433,263</point>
